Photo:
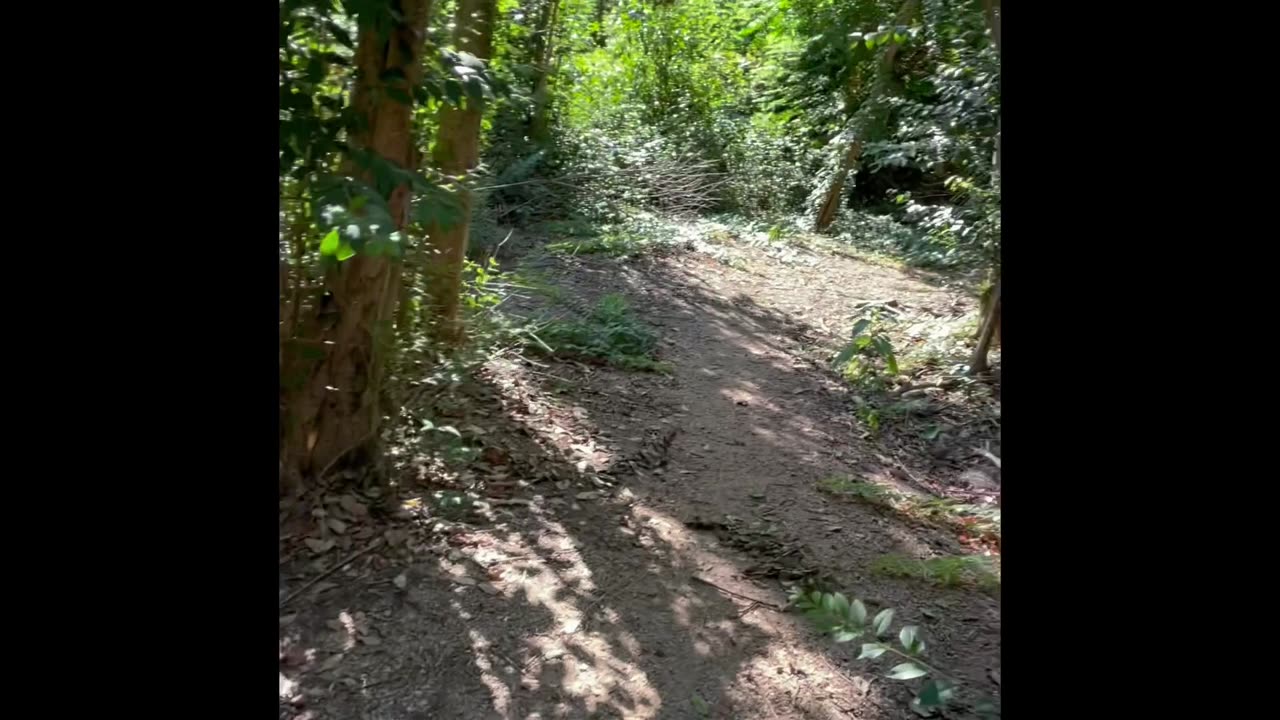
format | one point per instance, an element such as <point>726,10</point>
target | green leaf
<point>699,705</point>
<point>883,38</point>
<point>871,651</point>
<point>882,620</point>
<point>909,636</point>
<point>399,95</point>
<point>453,91</point>
<point>935,693</point>
<point>929,695</point>
<point>931,432</point>
<point>858,613</point>
<point>899,38</point>
<point>329,245</point>
<point>871,41</point>
<point>840,604</point>
<point>845,636</point>
<point>907,671</point>
<point>858,327</point>
<point>345,252</point>
<point>843,358</point>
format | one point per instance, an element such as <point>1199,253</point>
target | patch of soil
<point>629,559</point>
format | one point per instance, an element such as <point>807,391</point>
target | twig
<point>376,542</point>
<point>740,596</point>
<point>987,454</point>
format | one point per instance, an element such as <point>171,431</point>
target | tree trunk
<point>456,152</point>
<point>872,117</point>
<point>990,327</point>
<point>990,323</point>
<point>333,366</point>
<point>598,36</point>
<point>538,125</point>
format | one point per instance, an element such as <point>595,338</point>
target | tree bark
<point>538,125</point>
<point>874,115</point>
<point>456,153</point>
<point>332,367</point>
<point>991,326</point>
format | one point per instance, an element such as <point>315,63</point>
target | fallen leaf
<point>353,505</point>
<point>464,580</point>
<point>371,639</point>
<point>288,619</point>
<point>337,525</point>
<point>331,663</point>
<point>490,588</point>
<point>589,495</point>
<point>401,581</point>
<point>995,676</point>
<point>318,547</point>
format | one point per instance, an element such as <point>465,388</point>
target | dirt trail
<point>592,591</point>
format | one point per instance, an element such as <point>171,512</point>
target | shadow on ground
<point>567,605</point>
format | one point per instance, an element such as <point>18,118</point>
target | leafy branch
<point>846,620</point>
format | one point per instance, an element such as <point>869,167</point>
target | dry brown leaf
<point>353,505</point>
<point>395,537</point>
<point>464,580</point>
<point>336,625</point>
<point>337,525</point>
<point>318,546</point>
<point>401,581</point>
<point>371,639</point>
<point>331,663</point>
<point>288,619</point>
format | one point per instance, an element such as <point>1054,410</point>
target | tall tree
<point>332,371</point>
<point>456,153</point>
<point>990,328</point>
<point>868,116</point>
<point>544,49</point>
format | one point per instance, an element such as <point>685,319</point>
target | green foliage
<point>846,620</point>
<point>869,357</point>
<point>611,333</point>
<point>977,521</point>
<point>951,571</point>
<point>866,491</point>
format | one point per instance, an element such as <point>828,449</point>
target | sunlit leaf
<point>882,621</point>
<point>329,245</point>
<point>907,671</point>
<point>871,651</point>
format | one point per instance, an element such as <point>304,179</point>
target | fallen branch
<point>740,596</point>
<point>376,542</point>
<point>988,455</point>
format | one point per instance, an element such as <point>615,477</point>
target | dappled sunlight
<point>480,647</point>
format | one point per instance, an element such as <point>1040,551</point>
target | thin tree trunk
<point>538,126</point>
<point>990,323</point>
<point>872,117</point>
<point>599,36</point>
<point>456,153</point>
<point>333,368</point>
<point>991,326</point>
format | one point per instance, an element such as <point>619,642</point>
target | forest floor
<point>619,543</point>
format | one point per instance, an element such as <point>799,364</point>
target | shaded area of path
<point>586,605</point>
